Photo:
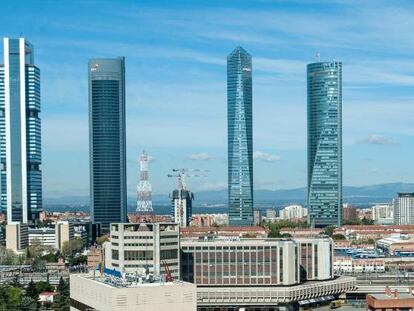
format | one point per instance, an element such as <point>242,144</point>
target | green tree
<point>39,264</point>
<point>31,290</point>
<point>102,239</point>
<point>61,301</point>
<point>71,247</point>
<point>63,287</point>
<point>51,257</point>
<point>366,221</point>
<point>35,249</point>
<point>329,230</point>
<point>13,297</point>
<point>28,304</point>
<point>338,237</point>
<point>43,286</point>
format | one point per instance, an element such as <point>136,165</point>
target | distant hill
<point>359,196</point>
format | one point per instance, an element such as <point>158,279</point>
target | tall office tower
<point>325,143</point>
<point>20,138</point>
<point>404,209</point>
<point>240,137</point>
<point>144,189</point>
<point>107,141</point>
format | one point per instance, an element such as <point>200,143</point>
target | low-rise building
<point>112,293</point>
<point>390,301</point>
<point>46,298</point>
<point>209,220</point>
<point>230,231</point>
<point>301,232</point>
<point>375,232</point>
<point>347,264</point>
<point>396,245</point>
<point>94,257</point>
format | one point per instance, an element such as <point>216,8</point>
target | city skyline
<point>175,84</point>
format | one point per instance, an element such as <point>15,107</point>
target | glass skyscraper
<point>20,133</point>
<point>240,137</point>
<point>325,143</point>
<point>107,141</point>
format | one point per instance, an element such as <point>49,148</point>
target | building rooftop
<point>387,297</point>
<point>127,282</point>
<point>223,229</point>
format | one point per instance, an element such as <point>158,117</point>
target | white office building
<point>293,212</point>
<point>146,246</point>
<point>45,236</point>
<point>383,214</point>
<point>404,209</point>
<point>111,293</point>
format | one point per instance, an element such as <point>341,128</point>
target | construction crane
<point>182,173</point>
<point>182,197</point>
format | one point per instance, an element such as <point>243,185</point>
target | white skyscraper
<point>383,214</point>
<point>144,189</point>
<point>404,209</point>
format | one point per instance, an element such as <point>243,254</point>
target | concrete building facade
<point>105,294</point>
<point>145,246</point>
<point>404,209</point>
<point>17,236</point>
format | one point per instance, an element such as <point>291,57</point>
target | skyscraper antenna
<point>318,56</point>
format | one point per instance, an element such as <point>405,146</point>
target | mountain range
<point>359,196</point>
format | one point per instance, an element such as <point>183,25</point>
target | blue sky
<point>176,84</point>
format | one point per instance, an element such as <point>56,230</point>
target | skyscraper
<point>107,141</point>
<point>325,143</point>
<point>144,189</point>
<point>20,128</point>
<point>404,209</point>
<point>240,137</point>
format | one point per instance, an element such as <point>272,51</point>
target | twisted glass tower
<point>20,133</point>
<point>107,141</point>
<point>325,143</point>
<point>240,137</point>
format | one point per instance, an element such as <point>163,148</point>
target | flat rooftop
<point>392,297</point>
<point>116,282</point>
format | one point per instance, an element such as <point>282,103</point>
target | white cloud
<point>378,140</point>
<point>264,156</point>
<point>203,156</point>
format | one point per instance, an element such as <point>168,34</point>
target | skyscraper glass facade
<point>325,143</point>
<point>240,137</point>
<point>107,141</point>
<point>20,133</point>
